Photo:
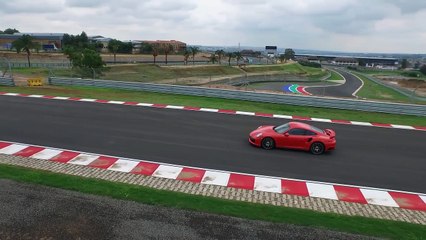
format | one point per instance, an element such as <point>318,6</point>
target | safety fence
<point>5,81</point>
<point>362,105</point>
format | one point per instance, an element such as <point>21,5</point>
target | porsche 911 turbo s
<point>294,135</point>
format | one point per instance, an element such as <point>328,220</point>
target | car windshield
<point>317,129</point>
<point>282,128</point>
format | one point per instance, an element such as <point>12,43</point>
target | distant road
<point>351,85</point>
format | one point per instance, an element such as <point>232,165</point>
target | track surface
<point>345,90</point>
<point>366,156</point>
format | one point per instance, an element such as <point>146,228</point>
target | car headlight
<point>259,135</point>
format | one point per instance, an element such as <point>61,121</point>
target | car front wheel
<point>317,148</point>
<point>268,143</point>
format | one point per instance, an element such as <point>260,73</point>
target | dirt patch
<point>417,85</point>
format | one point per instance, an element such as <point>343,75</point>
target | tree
<point>186,55</point>
<point>194,50</point>
<point>154,52</point>
<point>9,31</point>
<point>230,56</point>
<point>282,58</point>
<point>25,43</point>
<point>113,46</point>
<point>220,53</point>
<point>423,69</point>
<point>213,58</point>
<point>288,54</point>
<point>238,57</point>
<point>167,49</point>
<point>91,59</point>
<point>404,63</point>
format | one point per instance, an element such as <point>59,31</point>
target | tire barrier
<point>32,82</point>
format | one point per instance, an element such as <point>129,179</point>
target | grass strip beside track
<point>207,102</point>
<point>358,225</point>
<point>372,90</point>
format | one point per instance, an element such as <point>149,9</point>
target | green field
<point>358,225</point>
<point>334,76</point>
<point>372,90</point>
<point>183,100</point>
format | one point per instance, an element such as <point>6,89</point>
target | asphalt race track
<point>344,90</point>
<point>365,156</point>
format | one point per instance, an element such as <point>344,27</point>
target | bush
<point>423,69</point>
<point>310,64</point>
<point>411,74</point>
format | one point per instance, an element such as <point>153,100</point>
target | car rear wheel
<point>268,143</point>
<point>317,148</point>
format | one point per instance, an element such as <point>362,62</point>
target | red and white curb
<point>225,111</point>
<point>347,193</point>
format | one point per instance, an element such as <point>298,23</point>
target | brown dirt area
<point>418,85</point>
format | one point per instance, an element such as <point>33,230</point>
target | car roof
<point>299,125</point>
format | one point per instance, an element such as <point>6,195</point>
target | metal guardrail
<point>5,81</point>
<point>41,64</point>
<point>362,105</point>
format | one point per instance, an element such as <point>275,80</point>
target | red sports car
<point>294,135</point>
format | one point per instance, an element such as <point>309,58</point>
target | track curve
<point>346,90</point>
<point>367,156</point>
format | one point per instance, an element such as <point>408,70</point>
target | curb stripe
<point>346,193</point>
<point>225,111</point>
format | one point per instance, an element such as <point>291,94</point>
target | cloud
<point>348,25</point>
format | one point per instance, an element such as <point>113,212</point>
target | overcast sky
<point>337,25</point>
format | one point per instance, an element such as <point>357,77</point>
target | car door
<point>296,138</point>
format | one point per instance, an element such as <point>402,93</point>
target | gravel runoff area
<point>28,216</point>
<point>38,212</point>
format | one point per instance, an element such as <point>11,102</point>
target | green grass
<point>152,73</point>
<point>334,76</point>
<point>358,225</point>
<point>372,90</point>
<point>289,68</point>
<point>183,100</point>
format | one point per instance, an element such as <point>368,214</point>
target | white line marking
<point>209,110</point>
<point>123,165</point>
<point>11,94</point>
<point>361,123</point>
<point>46,154</point>
<point>423,197</point>
<point>245,113</point>
<point>116,102</point>
<point>35,96</point>
<point>12,149</point>
<point>174,107</point>
<point>170,172</point>
<point>216,178</point>
<point>267,184</point>
<point>282,116</point>
<point>321,120</point>
<point>83,159</point>
<point>145,104</point>
<point>378,197</point>
<point>322,191</point>
<point>87,100</point>
<point>61,98</point>
<point>402,126</point>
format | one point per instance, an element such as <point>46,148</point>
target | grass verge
<point>358,225</point>
<point>207,102</point>
<point>372,90</point>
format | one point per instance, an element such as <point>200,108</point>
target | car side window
<point>310,133</point>
<point>297,131</point>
